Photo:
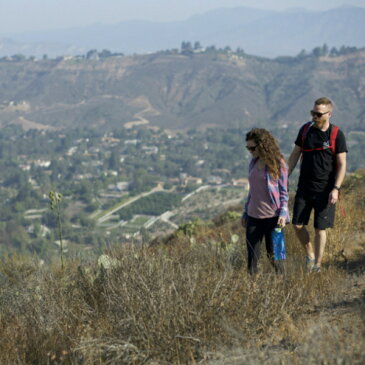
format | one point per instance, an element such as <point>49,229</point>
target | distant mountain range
<point>179,92</point>
<point>258,32</point>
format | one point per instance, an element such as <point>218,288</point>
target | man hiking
<point>322,147</point>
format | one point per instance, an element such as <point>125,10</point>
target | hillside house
<point>150,150</point>
<point>214,180</point>
<point>241,183</point>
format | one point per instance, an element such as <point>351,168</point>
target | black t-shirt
<point>318,168</point>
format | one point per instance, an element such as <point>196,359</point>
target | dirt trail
<point>342,320</point>
<point>141,102</point>
<point>107,215</point>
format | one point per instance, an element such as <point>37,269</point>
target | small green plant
<point>230,216</point>
<point>190,228</point>
<point>55,204</point>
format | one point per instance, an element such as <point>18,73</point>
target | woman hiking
<point>266,206</point>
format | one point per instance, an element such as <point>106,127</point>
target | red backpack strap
<point>305,131</point>
<point>341,207</point>
<point>333,136</point>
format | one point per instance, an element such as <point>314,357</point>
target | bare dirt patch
<point>141,102</point>
<point>28,124</point>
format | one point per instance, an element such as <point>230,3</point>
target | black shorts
<point>324,212</point>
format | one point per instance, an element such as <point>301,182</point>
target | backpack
<point>332,141</point>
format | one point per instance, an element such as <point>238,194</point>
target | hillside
<point>187,299</point>
<point>180,91</point>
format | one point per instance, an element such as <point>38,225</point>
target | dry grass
<point>183,302</point>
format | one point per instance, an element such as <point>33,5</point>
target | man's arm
<point>340,175</point>
<point>341,168</point>
<point>293,159</point>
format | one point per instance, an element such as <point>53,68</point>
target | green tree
<point>114,160</point>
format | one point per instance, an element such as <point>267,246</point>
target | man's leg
<point>304,239</point>
<point>324,217</point>
<point>319,245</point>
<point>301,213</point>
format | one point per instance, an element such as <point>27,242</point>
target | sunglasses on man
<point>317,114</point>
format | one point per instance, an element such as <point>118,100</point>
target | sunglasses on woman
<point>251,149</point>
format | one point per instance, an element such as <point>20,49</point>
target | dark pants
<point>256,230</point>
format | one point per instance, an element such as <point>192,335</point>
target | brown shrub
<point>180,302</point>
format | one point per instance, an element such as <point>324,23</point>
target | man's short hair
<point>323,101</point>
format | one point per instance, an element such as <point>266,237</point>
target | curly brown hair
<point>268,150</point>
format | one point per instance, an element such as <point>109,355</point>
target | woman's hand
<point>243,222</point>
<point>281,222</point>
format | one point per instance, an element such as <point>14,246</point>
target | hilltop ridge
<point>183,90</point>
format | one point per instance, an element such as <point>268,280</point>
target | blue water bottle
<point>278,242</point>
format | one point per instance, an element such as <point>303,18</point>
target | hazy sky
<point>24,15</point>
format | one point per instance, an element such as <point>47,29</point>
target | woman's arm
<point>283,192</point>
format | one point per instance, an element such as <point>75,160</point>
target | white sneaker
<point>309,263</point>
<point>315,268</point>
